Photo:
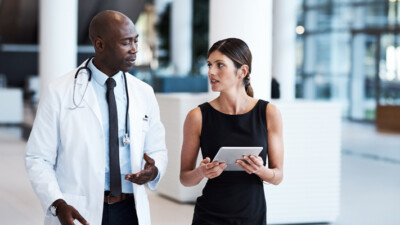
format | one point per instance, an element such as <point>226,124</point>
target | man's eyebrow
<point>130,38</point>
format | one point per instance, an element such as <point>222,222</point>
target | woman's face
<point>222,72</point>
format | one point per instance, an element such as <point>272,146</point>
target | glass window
<point>350,53</point>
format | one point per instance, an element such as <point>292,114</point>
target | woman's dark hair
<point>238,51</point>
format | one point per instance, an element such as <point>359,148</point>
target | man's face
<point>120,47</point>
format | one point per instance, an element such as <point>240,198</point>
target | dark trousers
<point>120,213</point>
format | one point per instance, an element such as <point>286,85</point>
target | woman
<point>234,118</point>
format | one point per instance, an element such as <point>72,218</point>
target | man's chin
<point>127,68</point>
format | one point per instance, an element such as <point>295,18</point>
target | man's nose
<point>133,48</point>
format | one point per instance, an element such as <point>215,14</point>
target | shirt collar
<point>101,77</point>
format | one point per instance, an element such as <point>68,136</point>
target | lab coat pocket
<point>78,202</point>
<point>145,126</point>
<point>51,220</point>
<point>145,129</point>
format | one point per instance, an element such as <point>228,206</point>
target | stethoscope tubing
<point>89,71</point>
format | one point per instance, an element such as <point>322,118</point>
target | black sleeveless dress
<point>235,197</point>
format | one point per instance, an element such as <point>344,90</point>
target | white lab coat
<point>65,155</point>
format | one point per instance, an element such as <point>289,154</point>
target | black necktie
<point>115,173</point>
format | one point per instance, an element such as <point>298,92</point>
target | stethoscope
<point>125,139</point>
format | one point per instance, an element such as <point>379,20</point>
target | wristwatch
<point>54,206</point>
<point>53,210</point>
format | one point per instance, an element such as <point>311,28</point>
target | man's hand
<point>67,214</point>
<point>149,172</point>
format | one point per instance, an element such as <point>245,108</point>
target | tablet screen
<point>229,155</point>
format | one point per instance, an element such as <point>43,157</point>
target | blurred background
<point>331,66</point>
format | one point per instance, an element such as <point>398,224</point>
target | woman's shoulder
<point>194,115</point>
<point>193,121</point>
<point>272,109</point>
<point>273,114</point>
<point>262,102</point>
<point>205,108</point>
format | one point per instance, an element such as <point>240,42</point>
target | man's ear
<point>98,44</point>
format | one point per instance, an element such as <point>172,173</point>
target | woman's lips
<point>213,81</point>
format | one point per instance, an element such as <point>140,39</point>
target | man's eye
<point>126,43</point>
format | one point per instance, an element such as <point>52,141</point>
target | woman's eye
<point>220,65</point>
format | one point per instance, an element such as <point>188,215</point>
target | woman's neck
<point>234,103</point>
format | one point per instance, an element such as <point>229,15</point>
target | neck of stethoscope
<point>126,139</point>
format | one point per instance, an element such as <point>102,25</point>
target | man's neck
<point>100,66</point>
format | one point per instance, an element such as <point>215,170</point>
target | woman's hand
<point>210,169</point>
<point>251,164</point>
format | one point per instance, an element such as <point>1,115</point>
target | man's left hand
<point>149,172</point>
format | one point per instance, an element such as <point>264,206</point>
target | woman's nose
<point>211,71</point>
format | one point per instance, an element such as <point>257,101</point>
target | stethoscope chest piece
<point>126,140</point>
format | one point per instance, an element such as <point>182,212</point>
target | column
<point>284,47</point>
<point>57,38</point>
<point>251,22</point>
<point>181,36</point>
<point>357,79</point>
<point>309,56</point>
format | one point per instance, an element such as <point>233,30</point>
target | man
<point>79,158</point>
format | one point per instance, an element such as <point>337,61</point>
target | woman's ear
<point>244,70</point>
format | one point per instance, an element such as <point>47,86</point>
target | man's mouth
<point>131,60</point>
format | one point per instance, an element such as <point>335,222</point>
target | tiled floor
<point>370,187</point>
<point>370,176</point>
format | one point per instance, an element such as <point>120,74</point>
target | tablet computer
<point>229,155</point>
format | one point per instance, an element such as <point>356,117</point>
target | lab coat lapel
<point>135,124</point>
<point>87,93</point>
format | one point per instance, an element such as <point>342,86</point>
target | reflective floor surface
<point>370,182</point>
